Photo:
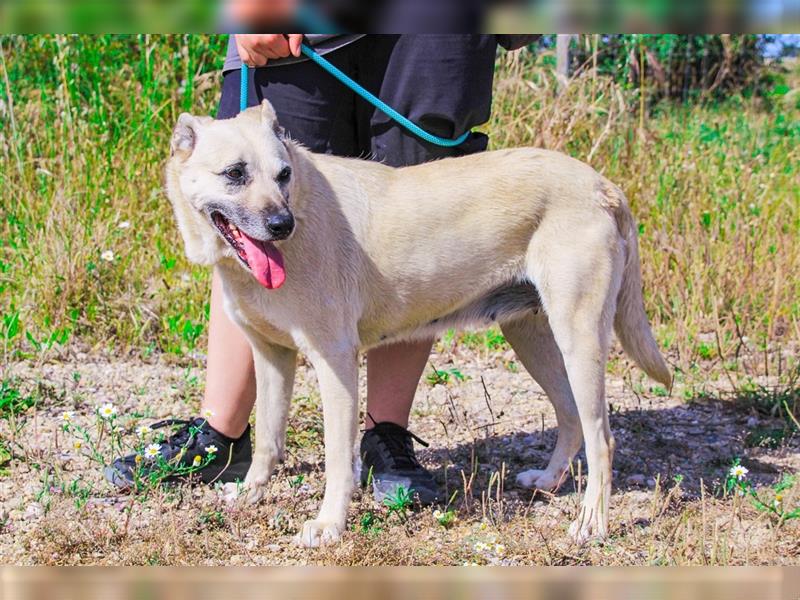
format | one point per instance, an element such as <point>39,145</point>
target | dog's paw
<point>317,533</point>
<point>587,528</point>
<point>539,480</point>
<point>255,487</point>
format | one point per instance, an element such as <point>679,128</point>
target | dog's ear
<point>270,119</point>
<point>268,116</point>
<point>184,136</point>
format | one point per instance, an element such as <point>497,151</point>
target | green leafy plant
<point>12,401</point>
<point>444,376</point>
<point>212,519</point>
<point>445,518</point>
<point>5,459</point>
<point>296,481</point>
<point>399,502</point>
<point>772,502</point>
<point>370,523</point>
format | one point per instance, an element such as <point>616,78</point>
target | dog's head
<point>230,183</point>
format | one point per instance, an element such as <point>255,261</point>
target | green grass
<point>86,122</point>
<point>82,156</point>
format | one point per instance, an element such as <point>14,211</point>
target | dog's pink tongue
<point>265,261</point>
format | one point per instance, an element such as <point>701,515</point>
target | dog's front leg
<point>274,367</point>
<point>337,372</point>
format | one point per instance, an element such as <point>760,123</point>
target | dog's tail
<point>630,322</point>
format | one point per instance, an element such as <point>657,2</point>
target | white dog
<point>330,256</point>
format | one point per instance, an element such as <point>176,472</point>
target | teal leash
<point>366,95</point>
<point>243,88</point>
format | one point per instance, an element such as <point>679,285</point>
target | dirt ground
<point>668,506</point>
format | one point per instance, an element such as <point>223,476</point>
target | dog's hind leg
<point>337,372</point>
<point>532,340</point>
<point>274,367</point>
<point>578,278</point>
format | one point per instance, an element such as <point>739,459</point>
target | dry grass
<point>476,450</point>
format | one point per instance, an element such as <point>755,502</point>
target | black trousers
<point>443,83</point>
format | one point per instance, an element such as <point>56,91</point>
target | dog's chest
<point>265,312</point>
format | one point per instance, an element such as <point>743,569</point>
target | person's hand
<point>257,48</point>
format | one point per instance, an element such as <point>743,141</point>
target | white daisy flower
<point>107,410</point>
<point>208,413</point>
<point>197,460</point>
<point>77,444</point>
<point>67,416</point>
<point>212,449</point>
<point>152,451</point>
<point>481,546</point>
<point>124,224</point>
<point>499,549</point>
<point>108,256</point>
<point>143,430</point>
<point>739,472</point>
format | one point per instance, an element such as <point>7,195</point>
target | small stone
<point>651,483</point>
<point>636,479</point>
<point>33,511</point>
<point>752,422</point>
<point>272,547</point>
<point>230,492</point>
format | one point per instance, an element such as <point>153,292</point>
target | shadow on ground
<point>697,440</point>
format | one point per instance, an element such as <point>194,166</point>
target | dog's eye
<point>234,174</point>
<point>284,175</point>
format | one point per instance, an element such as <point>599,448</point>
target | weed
<point>370,523</point>
<point>659,390</point>
<point>79,491</point>
<point>5,459</point>
<point>296,481</point>
<point>775,505</point>
<point>445,518</point>
<point>766,437</point>
<point>12,401</point>
<point>211,519</point>
<point>399,502</point>
<point>444,376</point>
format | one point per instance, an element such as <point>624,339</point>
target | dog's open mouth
<point>262,258</point>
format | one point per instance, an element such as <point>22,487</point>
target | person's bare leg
<point>393,373</point>
<point>230,376</point>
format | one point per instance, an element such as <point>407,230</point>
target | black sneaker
<point>388,460</point>
<point>194,452</point>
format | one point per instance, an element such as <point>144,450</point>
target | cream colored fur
<point>381,254</point>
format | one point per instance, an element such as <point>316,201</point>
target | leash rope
<point>243,88</point>
<point>365,94</point>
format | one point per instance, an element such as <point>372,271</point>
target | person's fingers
<point>272,45</point>
<point>240,48</point>
<point>270,53</point>
<point>256,49</point>
<point>257,59</point>
<point>249,56</point>
<point>295,41</point>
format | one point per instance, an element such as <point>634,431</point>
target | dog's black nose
<point>280,225</point>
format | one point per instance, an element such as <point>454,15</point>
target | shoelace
<point>396,440</point>
<point>180,437</point>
